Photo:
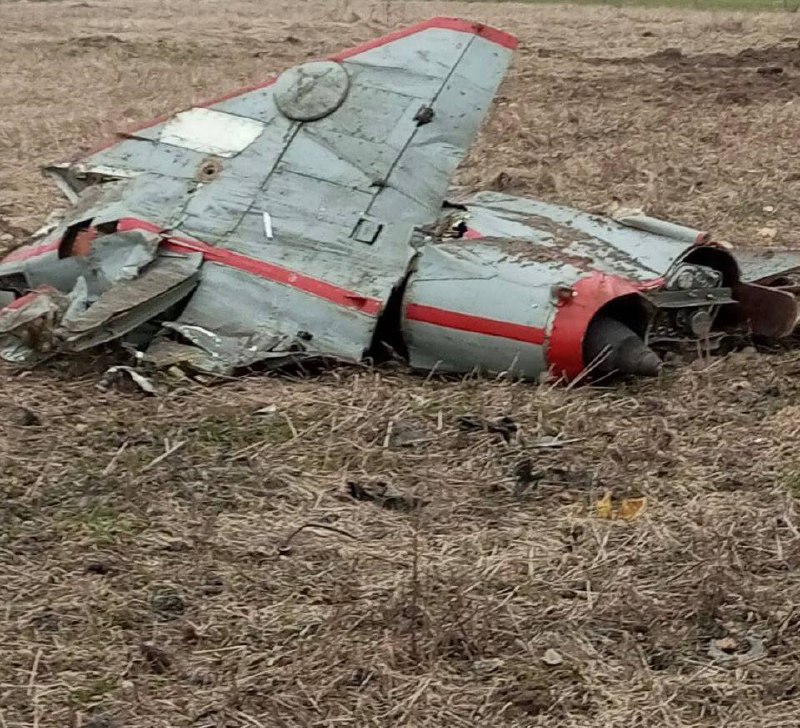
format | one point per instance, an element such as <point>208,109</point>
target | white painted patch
<point>103,170</point>
<point>211,132</point>
<point>267,225</point>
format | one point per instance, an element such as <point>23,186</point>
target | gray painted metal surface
<point>481,281</point>
<point>602,242</point>
<point>764,265</point>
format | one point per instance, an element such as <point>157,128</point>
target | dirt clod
<point>23,417</point>
<point>100,567</point>
<point>155,658</point>
<point>214,584</point>
<point>380,494</point>
<point>168,604</point>
<point>503,426</point>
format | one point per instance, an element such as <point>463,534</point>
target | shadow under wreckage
<point>313,215</point>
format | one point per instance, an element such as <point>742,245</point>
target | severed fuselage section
<point>313,216</point>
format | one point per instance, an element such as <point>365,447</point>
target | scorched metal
<point>313,215</point>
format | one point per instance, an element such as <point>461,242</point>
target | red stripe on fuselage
<point>315,287</point>
<point>277,274</point>
<point>475,324</point>
<point>34,252</point>
<point>262,269</point>
<point>259,268</point>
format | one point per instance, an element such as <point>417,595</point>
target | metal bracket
<point>693,298</point>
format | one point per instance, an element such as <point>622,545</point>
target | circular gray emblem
<point>312,90</point>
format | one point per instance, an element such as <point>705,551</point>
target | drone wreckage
<point>313,216</point>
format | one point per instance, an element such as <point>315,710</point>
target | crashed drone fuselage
<point>313,215</point>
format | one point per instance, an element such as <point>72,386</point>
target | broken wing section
<point>392,117</point>
<point>454,68</point>
<point>301,193</point>
<point>123,285</point>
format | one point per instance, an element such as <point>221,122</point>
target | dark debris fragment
<point>214,584</point>
<point>157,660</point>
<point>23,417</point>
<point>168,604</point>
<point>504,426</point>
<point>101,721</point>
<point>100,567</point>
<point>379,494</point>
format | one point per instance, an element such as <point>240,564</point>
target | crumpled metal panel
<point>217,353</point>
<point>272,310</point>
<point>27,323</point>
<point>122,282</point>
<point>599,242</point>
<point>606,244</point>
<point>43,247</point>
<point>128,158</point>
<point>40,303</point>
<point>121,256</point>
<point>131,303</point>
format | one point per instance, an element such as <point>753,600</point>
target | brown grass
<point>142,590</point>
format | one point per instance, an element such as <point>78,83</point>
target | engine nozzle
<point>611,346</point>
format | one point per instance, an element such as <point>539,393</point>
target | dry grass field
<point>198,558</point>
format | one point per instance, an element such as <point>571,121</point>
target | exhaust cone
<point>611,346</point>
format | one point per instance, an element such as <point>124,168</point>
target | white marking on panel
<point>211,132</point>
<point>104,171</point>
<point>267,225</point>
